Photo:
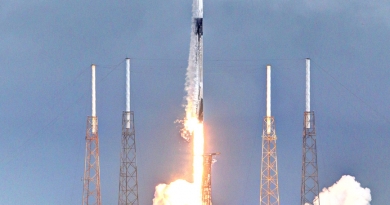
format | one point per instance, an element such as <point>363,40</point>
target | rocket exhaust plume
<point>347,191</point>
<point>181,192</point>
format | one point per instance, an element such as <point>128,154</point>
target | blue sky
<point>46,49</point>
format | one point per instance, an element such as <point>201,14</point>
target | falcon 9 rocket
<point>198,61</point>
<point>194,76</point>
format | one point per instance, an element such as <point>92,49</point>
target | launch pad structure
<point>269,188</point>
<point>128,182</point>
<point>206,178</point>
<point>91,180</point>
<point>309,184</point>
<point>128,176</point>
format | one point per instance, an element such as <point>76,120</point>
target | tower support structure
<point>309,183</point>
<point>206,178</point>
<point>128,182</point>
<point>91,180</point>
<point>91,191</point>
<point>269,188</point>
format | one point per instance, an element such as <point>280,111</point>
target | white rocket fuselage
<point>198,9</point>
<point>198,32</point>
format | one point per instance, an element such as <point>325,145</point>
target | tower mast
<point>269,189</point>
<point>206,178</point>
<point>309,184</point>
<point>128,182</point>
<point>91,180</point>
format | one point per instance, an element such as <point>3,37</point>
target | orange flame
<point>181,192</point>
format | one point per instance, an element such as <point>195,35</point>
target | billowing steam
<point>178,192</point>
<point>347,191</point>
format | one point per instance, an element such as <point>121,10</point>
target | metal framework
<point>309,185</point>
<point>91,191</point>
<point>206,179</point>
<point>128,182</point>
<point>269,189</point>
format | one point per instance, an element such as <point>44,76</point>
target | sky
<point>47,47</point>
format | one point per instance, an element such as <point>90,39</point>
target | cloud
<point>179,192</point>
<point>347,191</point>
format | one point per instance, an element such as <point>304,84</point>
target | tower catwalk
<point>128,182</point>
<point>269,189</point>
<point>309,184</point>
<point>91,180</point>
<point>206,179</point>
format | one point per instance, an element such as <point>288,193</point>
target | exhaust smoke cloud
<point>178,192</point>
<point>347,191</point>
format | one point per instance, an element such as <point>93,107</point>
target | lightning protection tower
<point>269,189</point>
<point>206,179</point>
<point>91,180</point>
<point>309,184</point>
<point>128,182</point>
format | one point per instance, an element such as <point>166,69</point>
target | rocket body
<point>198,61</point>
<point>198,18</point>
<point>198,9</point>
<point>194,75</point>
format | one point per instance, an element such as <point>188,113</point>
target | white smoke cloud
<point>179,192</point>
<point>347,191</point>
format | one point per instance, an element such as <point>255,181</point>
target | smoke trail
<point>347,191</point>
